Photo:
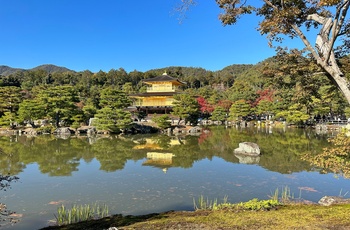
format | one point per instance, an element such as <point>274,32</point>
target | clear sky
<point>131,34</point>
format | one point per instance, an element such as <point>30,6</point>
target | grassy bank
<point>292,216</point>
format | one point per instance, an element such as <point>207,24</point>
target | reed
<point>341,193</point>
<point>206,204</point>
<point>78,213</point>
<point>278,197</point>
<point>284,196</point>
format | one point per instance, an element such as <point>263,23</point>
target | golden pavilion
<point>159,95</point>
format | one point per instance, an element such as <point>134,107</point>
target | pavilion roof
<point>154,94</point>
<point>163,78</point>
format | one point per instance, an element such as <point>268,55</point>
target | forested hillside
<point>275,88</point>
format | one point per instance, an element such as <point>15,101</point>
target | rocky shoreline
<point>151,127</point>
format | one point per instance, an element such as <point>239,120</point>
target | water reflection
<point>55,156</point>
<point>127,172</point>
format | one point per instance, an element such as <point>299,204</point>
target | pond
<point>142,174</point>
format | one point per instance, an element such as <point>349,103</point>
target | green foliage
<point>114,98</point>
<point>112,119</point>
<point>48,129</point>
<point>163,121</point>
<point>205,204</point>
<point>239,109</point>
<point>257,205</point>
<point>265,107</point>
<point>10,98</point>
<point>294,115</point>
<point>89,111</point>
<point>186,107</point>
<point>219,114</point>
<point>112,116</point>
<point>77,120</point>
<point>80,213</point>
<point>128,88</point>
<point>285,196</point>
<point>30,110</point>
<point>347,111</point>
<point>289,75</point>
<point>243,89</point>
<point>254,204</point>
<point>8,120</point>
<point>336,158</point>
<point>59,102</point>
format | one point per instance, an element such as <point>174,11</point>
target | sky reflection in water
<point>208,169</point>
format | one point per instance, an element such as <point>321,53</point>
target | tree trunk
<point>57,119</point>
<point>324,48</point>
<point>342,84</point>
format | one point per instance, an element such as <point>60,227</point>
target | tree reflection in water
<point>210,155</point>
<point>281,150</point>
<point>7,216</point>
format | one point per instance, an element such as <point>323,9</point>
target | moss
<point>294,216</point>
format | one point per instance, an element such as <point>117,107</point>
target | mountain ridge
<point>49,68</point>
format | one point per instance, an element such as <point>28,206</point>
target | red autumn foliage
<point>204,106</point>
<point>226,104</point>
<point>203,137</point>
<point>265,94</point>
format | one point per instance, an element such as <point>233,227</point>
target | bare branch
<point>183,8</point>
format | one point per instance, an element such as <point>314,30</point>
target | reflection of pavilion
<point>156,159</point>
<point>152,144</point>
<point>148,144</point>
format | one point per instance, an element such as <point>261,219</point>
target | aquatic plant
<point>341,194</point>
<point>205,204</point>
<point>284,196</point>
<point>254,204</point>
<point>80,213</point>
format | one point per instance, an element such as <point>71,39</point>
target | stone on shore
<point>331,200</point>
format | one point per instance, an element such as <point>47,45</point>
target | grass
<point>276,199</point>
<point>254,204</point>
<point>291,216</point>
<point>279,212</point>
<point>80,213</point>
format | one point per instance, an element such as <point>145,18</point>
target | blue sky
<point>134,35</point>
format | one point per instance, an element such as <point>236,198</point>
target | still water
<point>155,173</point>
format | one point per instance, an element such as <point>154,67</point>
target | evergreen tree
<point>59,103</point>
<point>30,110</point>
<point>112,120</point>
<point>239,109</point>
<point>10,98</point>
<point>219,114</point>
<point>112,115</point>
<point>186,108</point>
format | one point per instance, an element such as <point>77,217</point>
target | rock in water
<point>248,148</point>
<point>244,159</point>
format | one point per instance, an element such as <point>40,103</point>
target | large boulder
<point>30,131</point>
<point>248,148</point>
<point>64,131</point>
<point>194,130</point>
<point>89,130</point>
